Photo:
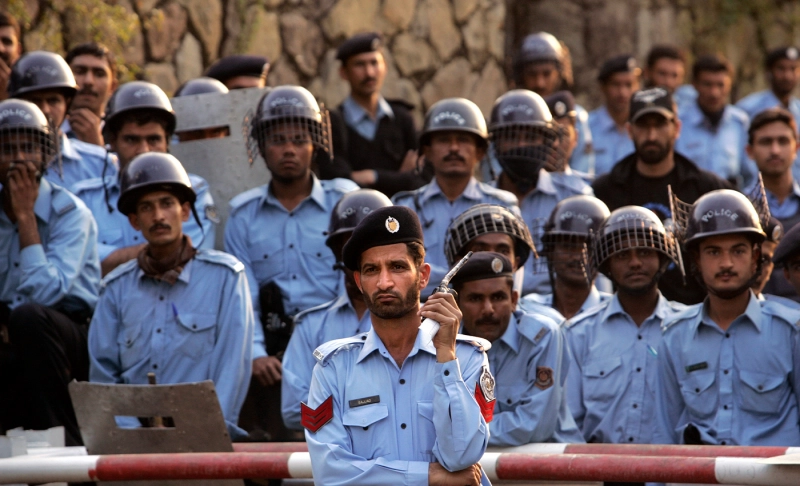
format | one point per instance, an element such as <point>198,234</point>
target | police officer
<point>390,406</point>
<point>611,384</point>
<point>525,142</point>
<point>240,71</point>
<point>10,49</point>
<point>619,79</point>
<point>774,232</point>
<point>139,119</point>
<point>275,229</point>
<point>566,244</point>
<point>95,71</point>
<point>374,139</point>
<point>342,317</point>
<point>562,108</point>
<point>665,67</point>
<point>528,358</point>
<point>180,312</point>
<point>543,65</point>
<point>453,140</point>
<point>49,278</point>
<point>727,368</point>
<point>787,257</point>
<point>783,72</point>
<point>45,79</point>
<point>715,132</point>
<point>772,144</point>
<point>199,86</point>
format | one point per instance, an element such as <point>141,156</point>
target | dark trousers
<point>46,351</point>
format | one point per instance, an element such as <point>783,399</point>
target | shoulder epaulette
<point>505,196</point>
<point>220,258</point>
<point>246,196</point>
<point>401,103</point>
<point>782,311</point>
<point>478,343</point>
<point>576,184</point>
<point>298,318</point>
<point>121,270</point>
<point>89,148</point>
<point>62,200</point>
<point>740,115</point>
<point>535,327</point>
<point>682,315</point>
<point>404,194</point>
<point>339,185</point>
<point>586,314</point>
<point>326,350</point>
<point>90,184</point>
<point>198,182</point>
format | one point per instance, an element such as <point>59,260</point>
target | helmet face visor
<point>485,219</point>
<point>297,126</point>
<point>523,150</point>
<point>629,234</point>
<point>22,143</point>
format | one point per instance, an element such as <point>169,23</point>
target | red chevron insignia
<point>314,418</point>
<point>487,407</point>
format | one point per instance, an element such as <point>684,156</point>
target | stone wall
<point>436,48</point>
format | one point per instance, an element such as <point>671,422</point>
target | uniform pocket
<point>130,345</point>
<point>110,236</point>
<point>762,392</point>
<point>361,423</point>
<point>698,393</point>
<point>196,334</point>
<point>266,258</point>
<point>602,379</point>
<point>426,433</point>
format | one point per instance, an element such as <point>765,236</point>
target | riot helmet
<point>482,219</point>
<point>25,134</point>
<point>291,105</point>
<point>721,212</point>
<point>525,139</point>
<point>629,228</point>
<point>41,70</point>
<point>138,97</point>
<point>201,85</point>
<point>454,114</point>
<point>153,171</point>
<point>543,47</point>
<point>351,209</point>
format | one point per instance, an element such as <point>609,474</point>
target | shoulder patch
<point>220,258</point>
<point>298,318</point>
<point>681,315</point>
<point>339,184</point>
<point>330,348</point>
<point>534,327</point>
<point>243,198</point>
<point>121,270</point>
<point>62,200</point>
<point>586,315</point>
<point>478,343</point>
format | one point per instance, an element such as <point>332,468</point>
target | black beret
<point>618,64</point>
<point>384,226</point>
<point>561,104</point>
<point>788,247</point>
<point>359,44</point>
<point>775,55</point>
<point>240,65</point>
<point>482,265</point>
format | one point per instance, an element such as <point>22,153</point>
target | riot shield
<point>221,161</point>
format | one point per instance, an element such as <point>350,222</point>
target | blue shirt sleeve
<point>104,364</point>
<point>669,401</point>
<point>205,236</point>
<point>298,366</point>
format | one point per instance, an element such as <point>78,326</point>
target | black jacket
<point>384,154</point>
<point>693,182</point>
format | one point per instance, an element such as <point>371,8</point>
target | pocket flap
<point>698,382</point>
<point>760,382</point>
<point>129,335</point>
<point>366,415</point>
<point>197,322</point>
<point>426,410</point>
<point>602,367</point>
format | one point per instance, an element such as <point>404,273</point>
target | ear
<point>187,210</point>
<point>514,298</point>
<point>424,275</point>
<point>343,72</point>
<point>749,149</point>
<point>133,219</point>
<point>677,127</point>
<point>357,278</point>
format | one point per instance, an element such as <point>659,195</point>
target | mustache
<point>726,273</point>
<point>87,91</point>
<point>488,320</point>
<point>368,80</point>
<point>159,226</point>
<point>377,295</point>
<point>453,156</point>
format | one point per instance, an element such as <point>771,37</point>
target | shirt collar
<point>614,308</point>
<point>374,343</point>
<point>544,185</point>
<point>354,113</point>
<point>511,336</point>
<point>68,149</point>
<point>317,194</point>
<point>472,191</point>
<point>607,124</point>
<point>592,299</point>
<point>342,301</point>
<point>693,115</point>
<point>752,313</point>
<point>42,205</point>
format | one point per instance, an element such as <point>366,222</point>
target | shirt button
<point>630,439</point>
<point>291,215</point>
<point>640,337</point>
<point>508,401</point>
<point>135,237</point>
<point>446,372</point>
<point>697,390</point>
<point>402,426</point>
<point>725,372</point>
<point>158,330</point>
<point>291,246</point>
<point>638,370</point>
<point>160,297</point>
<point>363,338</point>
<point>725,407</point>
<point>266,256</point>
<point>602,373</point>
<point>727,334</point>
<point>723,442</point>
<point>294,277</point>
<point>319,254</point>
<point>635,406</point>
<point>155,366</point>
<point>402,381</point>
<point>760,387</point>
<point>367,427</point>
<point>16,264</point>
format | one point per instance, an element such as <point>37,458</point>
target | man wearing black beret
<point>374,139</point>
<point>380,401</point>
<point>787,256</point>
<point>528,357</point>
<point>240,71</point>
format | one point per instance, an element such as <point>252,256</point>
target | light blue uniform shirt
<point>80,161</point>
<point>426,412</point>
<point>684,94</point>
<point>719,150</point>
<point>436,213</point>
<point>530,363</point>
<point>333,320</point>
<point>64,268</point>
<point>116,231</point>
<point>790,206</point>
<point>611,387</point>
<point>610,144</point>
<point>532,303</point>
<point>757,102</point>
<point>284,247</point>
<point>359,120</point>
<point>737,387</point>
<point>199,329</point>
<point>583,157</point>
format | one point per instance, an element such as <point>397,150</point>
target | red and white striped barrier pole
<point>498,466</point>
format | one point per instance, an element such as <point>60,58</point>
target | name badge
<point>360,402</point>
<point>697,366</point>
